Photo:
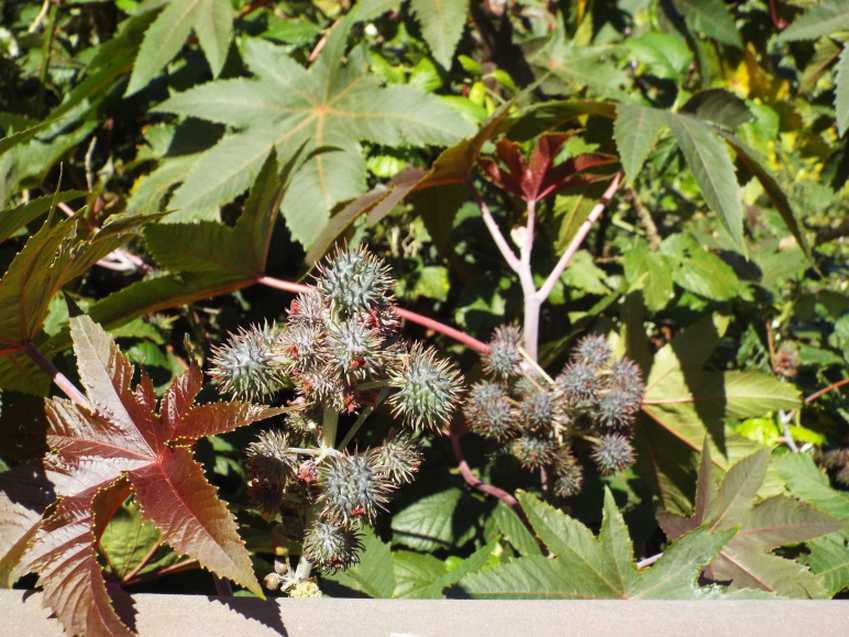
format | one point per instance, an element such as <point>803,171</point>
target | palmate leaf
<point>825,18</point>
<point>829,555</point>
<point>50,259</point>
<point>712,18</point>
<point>746,561</point>
<point>590,567</point>
<point>122,444</point>
<point>691,403</point>
<point>442,25</point>
<point>637,127</point>
<point>24,494</point>
<point>206,259</point>
<point>330,105</point>
<point>211,20</point>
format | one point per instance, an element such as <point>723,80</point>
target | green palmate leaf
<point>110,62</point>
<point>16,218</point>
<point>208,259</point>
<point>127,541</point>
<point>711,18</point>
<point>841,94</point>
<point>589,567</point>
<point>330,105</point>
<point>51,258</point>
<point>667,56</point>
<point>433,522</point>
<point>127,442</point>
<point>746,561</point>
<point>510,525</point>
<point>374,574</point>
<point>211,20</point>
<point>829,555</point>
<point>635,131</point>
<point>697,270</point>
<point>826,18</point>
<point>750,160</point>
<point>442,25</point>
<point>711,165</point>
<point>652,273</point>
<point>720,107</point>
<point>422,576</point>
<point>451,167</point>
<point>691,403</point>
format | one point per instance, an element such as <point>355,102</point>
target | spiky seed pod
<point>323,387</point>
<point>308,309</point>
<point>331,547</point>
<point>504,360</point>
<point>568,481</point>
<point>534,452</point>
<point>592,350</point>
<point>352,488</point>
<point>489,412</point>
<point>304,422</point>
<point>428,388</point>
<point>270,466</point>
<point>626,376</point>
<point>248,365</point>
<point>578,384</point>
<point>616,410</point>
<point>538,410</point>
<point>354,280</point>
<point>613,453</point>
<point>353,349</point>
<point>399,459</point>
<point>302,345</point>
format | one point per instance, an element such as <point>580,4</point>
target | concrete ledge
<point>21,615</point>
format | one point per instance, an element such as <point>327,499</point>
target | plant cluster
<point>341,352</point>
<point>594,399</point>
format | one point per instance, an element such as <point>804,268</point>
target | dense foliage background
<point>137,189</point>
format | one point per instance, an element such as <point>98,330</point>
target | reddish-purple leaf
<point>542,160</point>
<point>122,440</point>
<point>24,494</point>
<point>175,496</point>
<point>65,558</point>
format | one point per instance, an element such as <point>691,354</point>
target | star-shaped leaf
<point>121,443</point>
<point>54,256</point>
<point>331,105</point>
<point>211,20</point>
<point>746,561</point>
<point>588,567</point>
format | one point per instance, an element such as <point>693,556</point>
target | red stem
<point>825,390</point>
<point>474,482</point>
<point>413,317</point>
<point>777,21</point>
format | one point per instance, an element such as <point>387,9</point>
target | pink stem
<point>649,561</point>
<point>579,237</point>
<point>413,317</point>
<point>503,247</point>
<point>61,381</point>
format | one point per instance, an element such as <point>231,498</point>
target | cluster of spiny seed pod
<point>341,354</point>
<point>595,398</point>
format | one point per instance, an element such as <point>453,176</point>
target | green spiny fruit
<point>354,281</point>
<point>249,365</point>
<point>504,359</point>
<point>489,412</point>
<point>428,387</point>
<point>398,459</point>
<point>352,488</point>
<point>613,453</point>
<point>331,547</point>
<point>592,350</point>
<point>534,452</point>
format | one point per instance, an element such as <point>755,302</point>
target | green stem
<point>365,413</point>
<point>329,425</point>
